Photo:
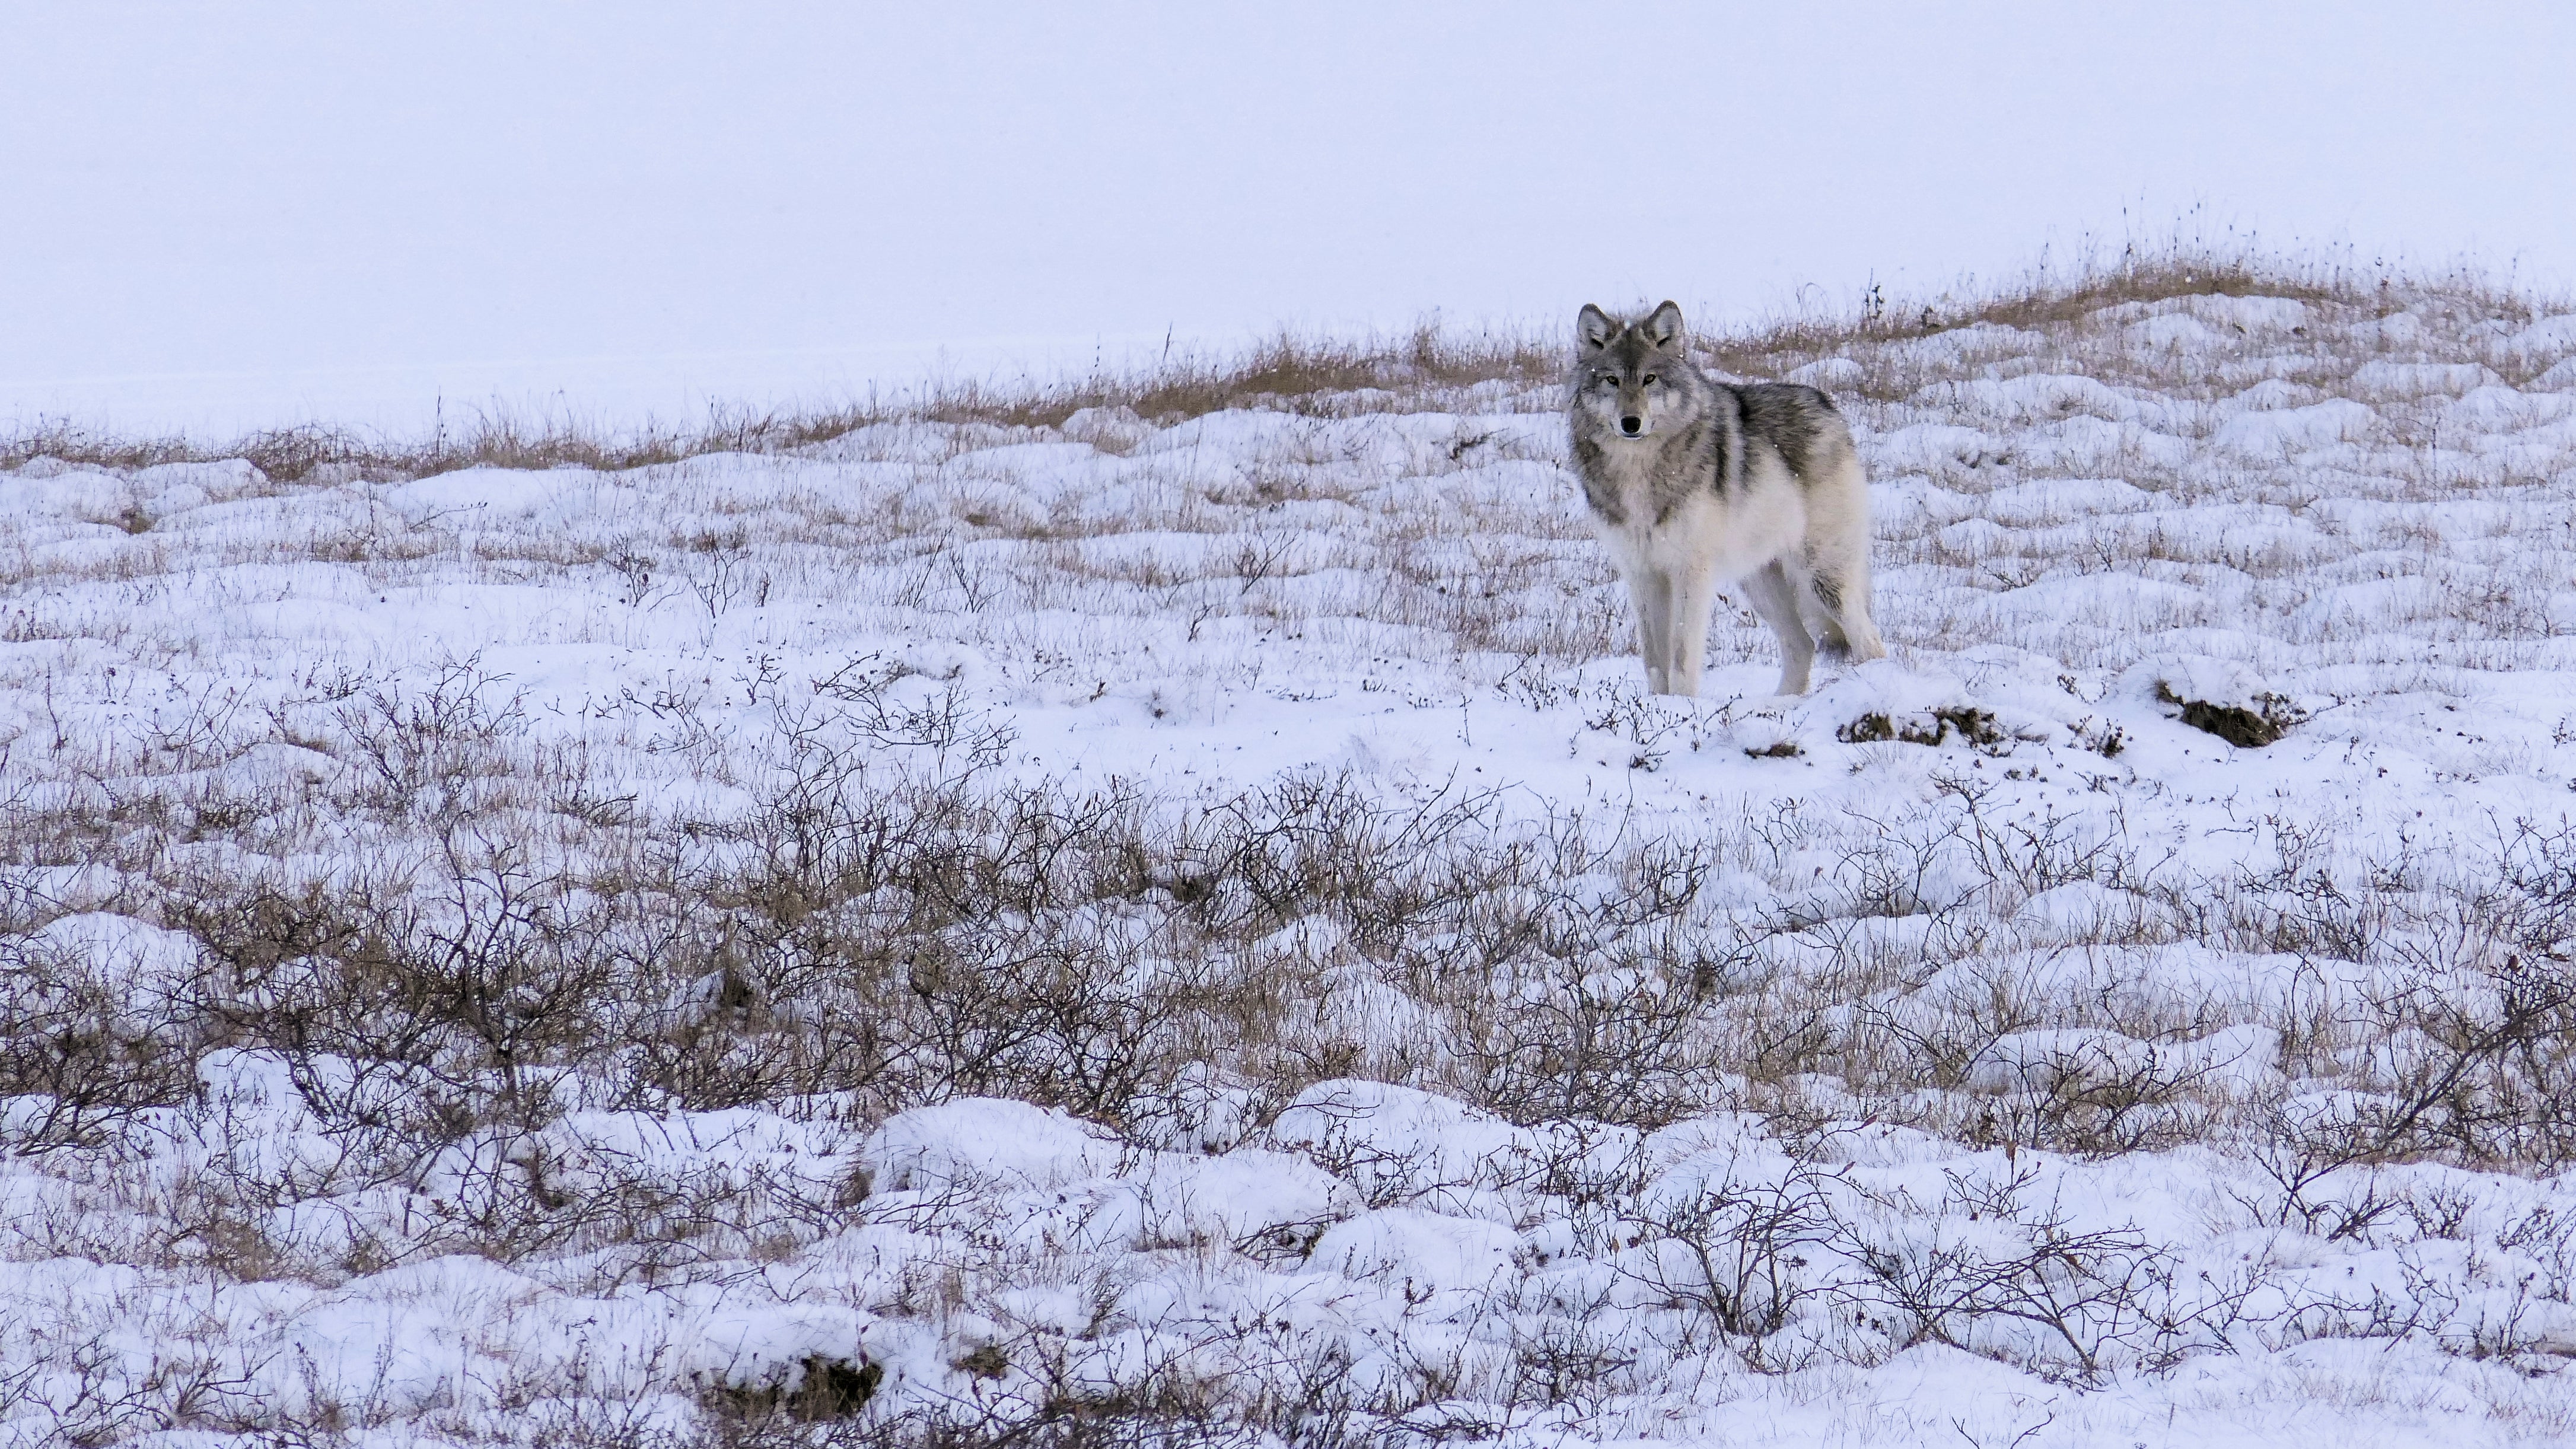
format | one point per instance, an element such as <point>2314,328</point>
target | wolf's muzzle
<point>1632,426</point>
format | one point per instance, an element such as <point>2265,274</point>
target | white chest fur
<point>1727,537</point>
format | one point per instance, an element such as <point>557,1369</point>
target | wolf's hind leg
<point>1776,601</point>
<point>1836,572</point>
<point>1842,602</point>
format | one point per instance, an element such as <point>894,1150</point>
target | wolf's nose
<point>1630,426</point>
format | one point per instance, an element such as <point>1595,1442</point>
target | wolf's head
<point>1632,380</point>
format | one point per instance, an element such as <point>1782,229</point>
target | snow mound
<point>983,1144</point>
<point>2219,697</point>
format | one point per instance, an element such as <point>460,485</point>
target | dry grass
<point>1290,372</point>
<point>1295,373</point>
<point>2141,275</point>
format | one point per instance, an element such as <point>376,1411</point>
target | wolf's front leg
<point>1650,592</point>
<point>1694,594</point>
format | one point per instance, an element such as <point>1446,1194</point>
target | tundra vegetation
<point>1157,910</point>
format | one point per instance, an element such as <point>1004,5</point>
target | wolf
<point>1694,482</point>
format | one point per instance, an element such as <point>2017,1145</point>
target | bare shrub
<point>1744,1250</point>
<point>2473,1071</point>
<point>408,1019</point>
<point>84,1052</point>
<point>2065,1304</point>
<point>2086,1098</point>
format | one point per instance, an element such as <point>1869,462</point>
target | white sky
<point>219,216</point>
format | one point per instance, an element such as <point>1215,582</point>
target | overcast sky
<point>216,216</point>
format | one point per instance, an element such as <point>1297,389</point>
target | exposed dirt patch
<point>1964,723</point>
<point>2258,722</point>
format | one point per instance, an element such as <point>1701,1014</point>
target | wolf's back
<point>1797,421</point>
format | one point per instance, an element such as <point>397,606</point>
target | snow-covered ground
<point>550,956</point>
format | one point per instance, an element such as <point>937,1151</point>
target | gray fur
<point>1692,482</point>
<point>1788,417</point>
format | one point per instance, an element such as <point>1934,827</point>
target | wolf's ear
<point>1664,326</point>
<point>1595,327</point>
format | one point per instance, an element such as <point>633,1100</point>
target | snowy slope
<point>1970,1050</point>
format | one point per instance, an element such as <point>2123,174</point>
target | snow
<point>2261,433</point>
<point>2546,338</point>
<point>2033,875</point>
<point>984,1144</point>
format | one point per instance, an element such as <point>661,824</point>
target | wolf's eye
<point>1649,379</point>
<point>1609,379</point>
